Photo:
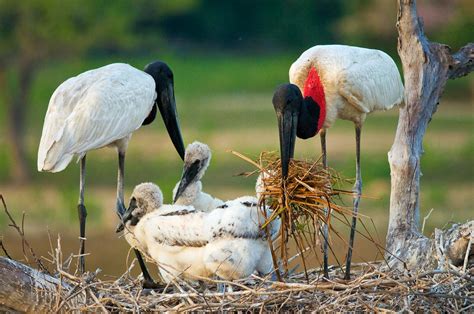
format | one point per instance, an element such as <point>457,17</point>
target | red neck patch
<point>314,89</point>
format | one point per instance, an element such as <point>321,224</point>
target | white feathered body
<point>356,80</point>
<point>194,196</point>
<point>97,108</point>
<point>227,241</point>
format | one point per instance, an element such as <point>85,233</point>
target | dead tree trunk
<point>426,67</point>
<point>25,289</point>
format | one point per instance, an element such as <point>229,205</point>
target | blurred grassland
<point>225,101</point>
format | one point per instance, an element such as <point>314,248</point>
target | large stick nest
<point>375,288</point>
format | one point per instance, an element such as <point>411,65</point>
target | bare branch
<point>4,249</point>
<point>463,62</point>
<point>21,232</point>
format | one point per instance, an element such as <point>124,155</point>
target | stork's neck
<point>189,195</point>
<point>314,88</point>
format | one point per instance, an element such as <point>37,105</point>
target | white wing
<point>367,78</point>
<point>372,83</point>
<point>240,219</point>
<point>179,225</point>
<point>175,225</point>
<point>92,110</point>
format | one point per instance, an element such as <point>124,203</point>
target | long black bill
<point>287,124</point>
<point>127,216</point>
<point>167,106</point>
<point>189,175</point>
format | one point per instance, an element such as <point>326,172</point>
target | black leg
<point>357,191</point>
<point>82,213</point>
<point>148,282</point>
<point>120,184</point>
<point>325,227</point>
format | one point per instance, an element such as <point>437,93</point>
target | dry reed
<point>375,288</point>
<point>308,199</point>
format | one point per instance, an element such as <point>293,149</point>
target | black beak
<point>287,124</point>
<point>127,215</point>
<point>167,106</point>
<point>189,175</point>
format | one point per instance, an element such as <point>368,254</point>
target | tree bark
<point>25,289</point>
<point>426,68</point>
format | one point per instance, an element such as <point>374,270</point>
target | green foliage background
<point>227,57</point>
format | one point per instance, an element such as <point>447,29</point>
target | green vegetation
<point>224,81</point>
<point>220,104</point>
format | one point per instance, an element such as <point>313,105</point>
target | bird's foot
<point>221,287</point>
<point>81,265</point>
<point>150,284</point>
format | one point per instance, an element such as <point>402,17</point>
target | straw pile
<point>375,288</point>
<point>307,200</point>
<point>372,290</point>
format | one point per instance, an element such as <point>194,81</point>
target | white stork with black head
<point>103,107</point>
<point>331,82</point>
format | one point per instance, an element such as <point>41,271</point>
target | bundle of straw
<point>304,201</point>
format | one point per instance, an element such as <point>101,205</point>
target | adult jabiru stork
<point>331,82</point>
<point>103,107</point>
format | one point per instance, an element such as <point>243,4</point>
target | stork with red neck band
<point>337,82</point>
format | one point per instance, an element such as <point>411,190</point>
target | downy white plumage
<point>334,81</point>
<point>188,191</point>
<point>102,107</point>
<point>227,242</point>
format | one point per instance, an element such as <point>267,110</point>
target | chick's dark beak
<point>190,172</point>
<point>127,215</point>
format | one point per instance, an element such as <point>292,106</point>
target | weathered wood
<point>25,289</point>
<point>426,68</point>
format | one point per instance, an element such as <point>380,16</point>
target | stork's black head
<point>164,85</point>
<point>287,101</point>
<point>287,97</point>
<point>160,71</point>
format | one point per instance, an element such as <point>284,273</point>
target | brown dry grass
<point>375,288</point>
<point>306,200</point>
